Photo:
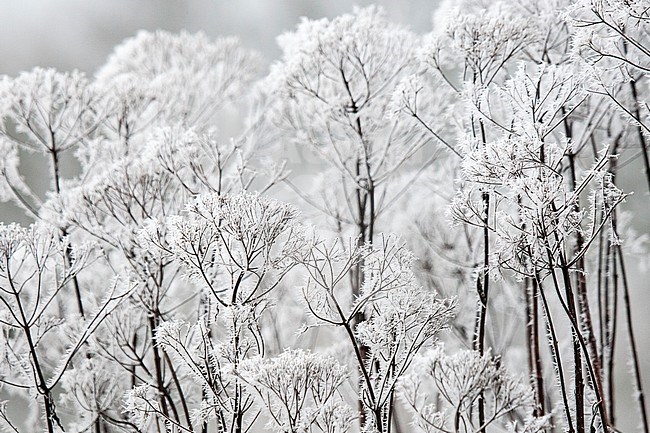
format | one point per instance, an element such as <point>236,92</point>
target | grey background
<point>81,33</point>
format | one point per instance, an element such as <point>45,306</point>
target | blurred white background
<point>80,34</point>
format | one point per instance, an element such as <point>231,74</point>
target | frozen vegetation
<point>404,233</point>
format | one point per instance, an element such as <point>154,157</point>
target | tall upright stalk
<point>56,179</point>
<point>535,371</point>
<point>636,370</point>
<point>634,355</point>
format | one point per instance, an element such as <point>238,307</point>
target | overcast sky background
<point>81,34</point>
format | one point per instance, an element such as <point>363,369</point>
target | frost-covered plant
<point>236,246</point>
<point>48,112</point>
<point>333,91</point>
<point>443,393</point>
<point>517,117</point>
<point>543,125</point>
<point>150,155</point>
<point>207,354</point>
<point>236,249</point>
<point>612,39</point>
<point>612,33</point>
<point>485,37</point>
<point>470,55</point>
<point>93,387</point>
<point>300,391</point>
<point>472,52</point>
<point>399,318</point>
<point>536,217</point>
<point>38,344</point>
<point>162,78</point>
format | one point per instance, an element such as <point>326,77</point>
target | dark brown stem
<point>639,130</point>
<point>633,349</point>
<point>578,379</point>
<point>555,355</point>
<point>51,417</point>
<point>532,342</point>
<point>181,394</point>
<point>581,281</point>
<point>611,342</point>
<point>158,367</point>
<point>483,288</point>
<point>575,330</point>
<point>618,253</point>
<point>56,179</point>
